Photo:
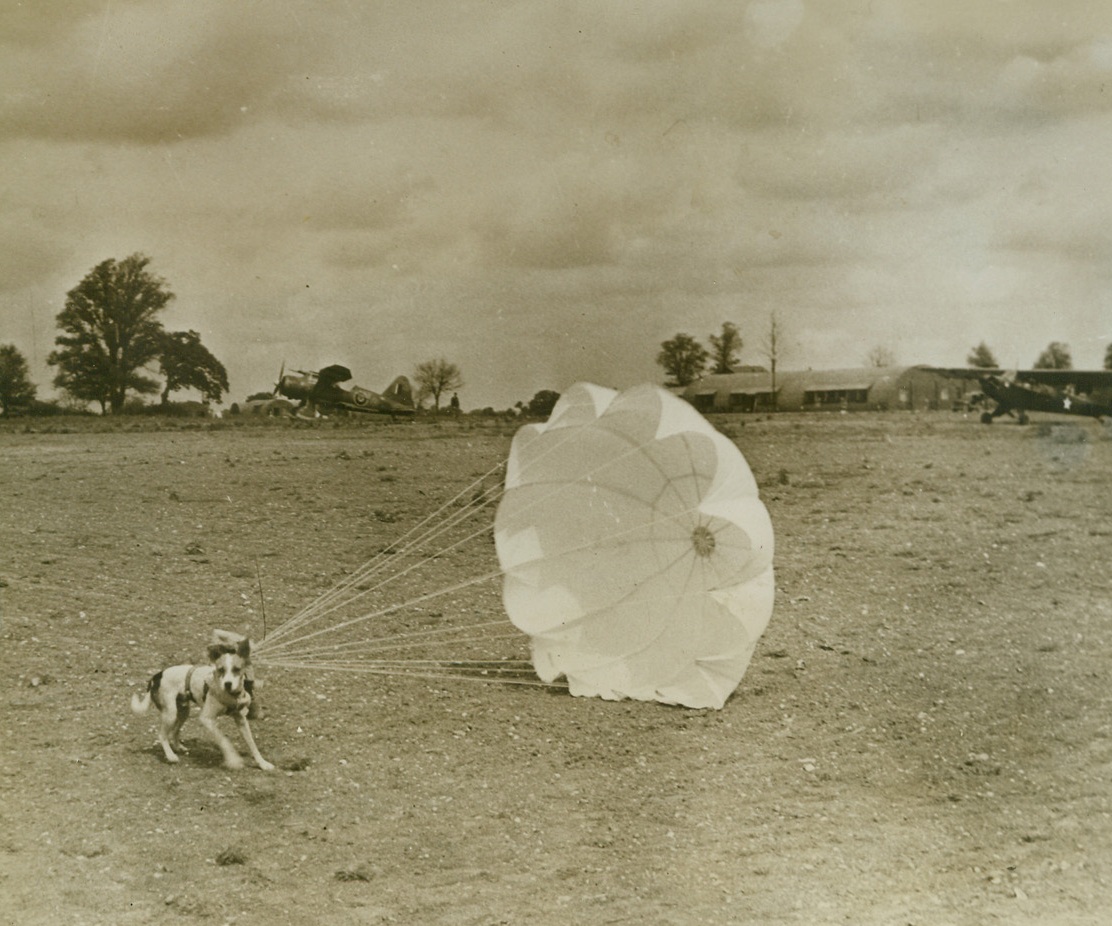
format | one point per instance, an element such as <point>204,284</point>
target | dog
<point>223,687</point>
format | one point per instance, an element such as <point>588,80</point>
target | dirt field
<point>924,737</point>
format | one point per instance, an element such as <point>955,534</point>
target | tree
<point>541,405</point>
<point>773,347</point>
<point>110,333</point>
<point>187,364</point>
<point>1055,357</point>
<point>1108,357</point>
<point>881,356</point>
<point>683,358</point>
<point>435,377</point>
<point>83,379</point>
<point>982,358</point>
<point>725,348</point>
<point>16,390</point>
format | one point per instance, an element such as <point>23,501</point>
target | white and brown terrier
<point>222,687</point>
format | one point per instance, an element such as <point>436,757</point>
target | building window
<point>836,397</point>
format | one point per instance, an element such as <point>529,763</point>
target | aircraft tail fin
<point>399,390</point>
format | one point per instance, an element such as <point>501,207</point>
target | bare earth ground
<point>924,737</point>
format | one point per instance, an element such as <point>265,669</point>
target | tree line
<point>685,360</point>
<point>1056,357</point>
<point>112,343</point>
<point>112,339</point>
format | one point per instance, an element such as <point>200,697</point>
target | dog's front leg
<point>245,730</point>
<point>211,710</point>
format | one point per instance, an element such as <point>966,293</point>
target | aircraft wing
<point>1086,382</point>
<point>331,375</point>
<point>964,372</point>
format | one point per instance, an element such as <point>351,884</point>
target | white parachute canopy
<point>636,552</point>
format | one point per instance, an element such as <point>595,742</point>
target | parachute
<point>635,550</point>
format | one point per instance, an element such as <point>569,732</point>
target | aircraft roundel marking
<point>360,398</point>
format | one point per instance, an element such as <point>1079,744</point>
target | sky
<point>541,191</point>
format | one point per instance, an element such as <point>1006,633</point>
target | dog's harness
<point>189,687</point>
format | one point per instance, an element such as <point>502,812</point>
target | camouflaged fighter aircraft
<point>319,392</point>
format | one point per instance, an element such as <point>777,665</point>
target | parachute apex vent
<point>703,541</point>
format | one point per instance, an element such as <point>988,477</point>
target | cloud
<point>543,192</point>
<point>28,252</point>
<point>32,25</point>
<point>145,73</point>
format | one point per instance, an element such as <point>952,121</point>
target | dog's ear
<point>243,649</point>
<point>216,650</point>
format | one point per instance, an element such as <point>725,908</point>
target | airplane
<point>317,390</point>
<point>1063,392</point>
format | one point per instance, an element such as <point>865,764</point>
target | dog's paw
<point>266,766</point>
<point>235,763</point>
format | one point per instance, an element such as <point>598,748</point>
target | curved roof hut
<point>854,389</point>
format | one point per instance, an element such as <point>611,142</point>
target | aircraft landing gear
<point>986,417</point>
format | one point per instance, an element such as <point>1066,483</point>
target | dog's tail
<point>140,703</point>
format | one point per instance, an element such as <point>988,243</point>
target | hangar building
<point>861,389</point>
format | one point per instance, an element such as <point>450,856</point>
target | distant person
<point>455,405</point>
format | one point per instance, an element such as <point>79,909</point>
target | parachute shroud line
<point>633,549</point>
